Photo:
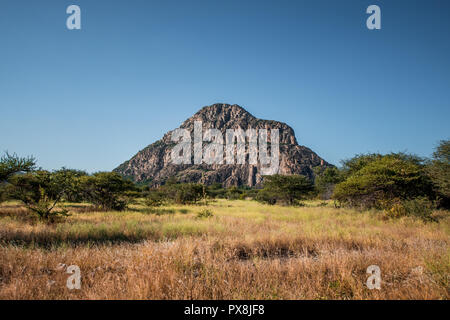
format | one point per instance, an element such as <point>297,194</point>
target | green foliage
<point>180,193</point>
<point>266,196</point>
<point>12,164</point>
<point>439,171</point>
<point>249,193</point>
<point>40,191</point>
<point>216,191</point>
<point>107,190</point>
<point>380,178</point>
<point>353,165</point>
<point>325,180</point>
<point>155,198</point>
<point>205,213</point>
<point>420,207</point>
<point>233,193</point>
<point>185,193</point>
<point>73,191</point>
<point>287,189</point>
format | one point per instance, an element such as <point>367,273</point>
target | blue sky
<point>91,98</point>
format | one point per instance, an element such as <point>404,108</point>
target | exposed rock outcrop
<point>154,165</point>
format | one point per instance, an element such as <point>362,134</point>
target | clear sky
<point>91,98</point>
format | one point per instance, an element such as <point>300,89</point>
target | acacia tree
<point>41,192</point>
<point>10,164</point>
<point>73,191</point>
<point>107,190</point>
<point>383,178</point>
<point>181,193</point>
<point>325,180</point>
<point>439,171</point>
<point>285,188</point>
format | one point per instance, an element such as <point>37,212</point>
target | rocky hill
<point>154,164</point>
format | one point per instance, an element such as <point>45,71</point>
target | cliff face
<point>154,164</point>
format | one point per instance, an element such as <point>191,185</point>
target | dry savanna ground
<point>246,250</point>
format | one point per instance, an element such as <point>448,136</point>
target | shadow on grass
<point>45,242</point>
<point>159,210</point>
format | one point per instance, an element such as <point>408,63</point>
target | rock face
<point>154,165</point>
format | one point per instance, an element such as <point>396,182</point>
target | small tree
<point>234,193</point>
<point>382,180</point>
<point>325,180</point>
<point>287,188</point>
<point>156,197</point>
<point>40,191</point>
<point>12,164</point>
<point>266,196</point>
<point>216,190</point>
<point>188,193</point>
<point>438,170</point>
<point>9,166</point>
<point>73,192</point>
<point>107,190</point>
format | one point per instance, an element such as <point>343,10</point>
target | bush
<point>266,196</point>
<point>12,164</point>
<point>186,193</point>
<point>325,180</point>
<point>287,189</point>
<point>204,213</point>
<point>73,191</point>
<point>155,198</point>
<point>439,171</point>
<point>107,190</point>
<point>181,193</point>
<point>233,193</point>
<point>216,191</point>
<point>421,208</point>
<point>389,177</point>
<point>40,192</point>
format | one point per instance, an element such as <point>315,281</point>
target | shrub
<point>181,193</point>
<point>439,171</point>
<point>73,191</point>
<point>40,191</point>
<point>233,193</point>
<point>107,190</point>
<point>12,164</point>
<point>155,198</point>
<point>325,180</point>
<point>186,193</point>
<point>421,208</point>
<point>383,179</point>
<point>204,213</point>
<point>266,196</point>
<point>250,193</point>
<point>286,189</point>
<point>216,191</point>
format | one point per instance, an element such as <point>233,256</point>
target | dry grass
<point>245,251</point>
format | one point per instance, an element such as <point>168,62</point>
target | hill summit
<point>154,165</point>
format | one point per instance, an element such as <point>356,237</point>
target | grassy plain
<point>246,250</point>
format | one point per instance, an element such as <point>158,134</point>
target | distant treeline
<point>398,183</point>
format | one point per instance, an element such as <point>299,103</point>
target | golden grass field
<point>245,251</point>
